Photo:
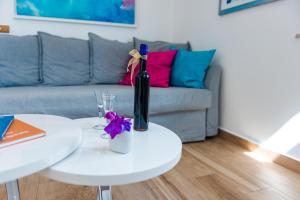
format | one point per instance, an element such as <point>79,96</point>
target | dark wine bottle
<point>142,93</point>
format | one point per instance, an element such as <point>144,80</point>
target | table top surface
<point>63,137</point>
<point>154,152</point>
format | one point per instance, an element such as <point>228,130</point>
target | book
<point>5,122</point>
<point>20,132</point>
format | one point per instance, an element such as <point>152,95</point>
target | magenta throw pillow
<point>159,66</point>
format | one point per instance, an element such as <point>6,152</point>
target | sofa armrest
<point>212,81</point>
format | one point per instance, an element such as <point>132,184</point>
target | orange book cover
<point>19,132</point>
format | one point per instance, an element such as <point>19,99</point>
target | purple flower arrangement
<point>117,124</point>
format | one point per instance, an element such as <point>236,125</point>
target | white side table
<point>63,138</point>
<point>155,152</point>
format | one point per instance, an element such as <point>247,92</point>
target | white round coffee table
<point>154,152</point>
<point>63,137</point>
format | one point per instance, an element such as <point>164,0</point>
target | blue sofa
<point>47,74</point>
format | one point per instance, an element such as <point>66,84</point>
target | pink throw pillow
<point>159,66</point>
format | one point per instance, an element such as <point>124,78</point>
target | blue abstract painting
<point>109,11</point>
<point>229,6</point>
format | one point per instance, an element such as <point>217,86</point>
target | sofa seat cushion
<point>79,101</point>
<point>19,60</point>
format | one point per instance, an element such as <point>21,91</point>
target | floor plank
<point>213,170</point>
<point>264,194</point>
<point>264,175</point>
<point>2,192</point>
<point>222,169</point>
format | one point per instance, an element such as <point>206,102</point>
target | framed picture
<point>104,12</point>
<point>229,6</point>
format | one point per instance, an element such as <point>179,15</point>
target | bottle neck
<point>143,64</point>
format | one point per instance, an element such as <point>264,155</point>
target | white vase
<point>122,143</point>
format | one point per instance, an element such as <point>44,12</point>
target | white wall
<point>261,60</point>
<point>154,22</point>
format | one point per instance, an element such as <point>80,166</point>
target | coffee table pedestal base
<point>12,190</point>
<point>104,193</point>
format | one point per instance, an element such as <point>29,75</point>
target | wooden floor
<point>215,169</point>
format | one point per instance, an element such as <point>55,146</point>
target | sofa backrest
<point>19,61</point>
<point>56,61</point>
<point>108,59</point>
<point>65,61</point>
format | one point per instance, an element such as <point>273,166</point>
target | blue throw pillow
<point>189,68</point>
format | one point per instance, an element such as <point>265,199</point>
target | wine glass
<point>105,104</point>
<point>108,102</point>
<point>101,112</point>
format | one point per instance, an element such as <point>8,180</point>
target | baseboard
<point>279,159</point>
